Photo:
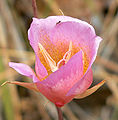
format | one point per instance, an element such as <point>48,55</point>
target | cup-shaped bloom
<point>65,49</point>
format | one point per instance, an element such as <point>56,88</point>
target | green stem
<point>60,115</point>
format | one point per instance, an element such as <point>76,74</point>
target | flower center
<point>53,66</point>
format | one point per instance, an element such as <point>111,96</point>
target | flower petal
<point>90,91</point>
<point>40,28</point>
<point>95,49</point>
<point>58,36</point>
<point>30,86</point>
<point>82,85</point>
<point>40,69</point>
<point>58,83</point>
<point>22,69</point>
<point>82,36</point>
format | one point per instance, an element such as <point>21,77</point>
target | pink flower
<point>65,49</point>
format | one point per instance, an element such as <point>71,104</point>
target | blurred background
<point>18,103</point>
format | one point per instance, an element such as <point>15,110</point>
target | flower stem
<point>34,8</point>
<point>60,115</point>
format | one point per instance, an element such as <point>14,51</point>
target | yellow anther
<point>68,53</point>
<point>48,58</point>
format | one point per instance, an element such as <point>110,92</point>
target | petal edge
<point>22,69</point>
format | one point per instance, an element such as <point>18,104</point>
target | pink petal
<point>58,83</point>
<point>22,69</point>
<point>40,69</point>
<point>95,49</point>
<point>82,36</point>
<point>58,36</point>
<point>82,85</point>
<point>41,27</point>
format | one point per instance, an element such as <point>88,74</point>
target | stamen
<point>62,60</point>
<point>68,53</point>
<point>66,57</point>
<point>48,58</point>
<point>51,62</point>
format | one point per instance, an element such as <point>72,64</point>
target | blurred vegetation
<point>18,103</point>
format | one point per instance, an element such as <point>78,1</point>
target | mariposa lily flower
<point>65,49</point>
